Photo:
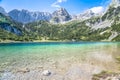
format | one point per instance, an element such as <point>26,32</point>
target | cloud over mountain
<point>98,9</point>
<point>57,3</point>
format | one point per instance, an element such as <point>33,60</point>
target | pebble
<point>46,73</point>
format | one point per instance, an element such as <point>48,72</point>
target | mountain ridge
<point>26,16</point>
<point>87,27</point>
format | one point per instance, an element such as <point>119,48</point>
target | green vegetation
<point>4,35</point>
<point>11,30</point>
<point>106,75</point>
<point>74,30</point>
<point>116,27</point>
<point>43,30</point>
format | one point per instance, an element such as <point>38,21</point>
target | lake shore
<point>64,62</point>
<point>11,41</point>
<point>37,41</point>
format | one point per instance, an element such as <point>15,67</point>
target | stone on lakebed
<point>46,73</point>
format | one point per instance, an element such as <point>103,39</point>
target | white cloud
<point>98,9</point>
<point>56,4</point>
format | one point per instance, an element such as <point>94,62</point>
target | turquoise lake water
<point>58,56</point>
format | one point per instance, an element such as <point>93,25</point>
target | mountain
<point>110,17</point>
<point>2,10</point>
<point>26,16</point>
<point>86,15</point>
<point>61,15</point>
<point>87,26</point>
<point>9,29</point>
<point>115,3</point>
<point>6,23</point>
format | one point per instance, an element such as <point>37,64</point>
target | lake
<point>64,60</point>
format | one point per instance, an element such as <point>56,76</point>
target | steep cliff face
<point>6,23</point>
<point>9,28</point>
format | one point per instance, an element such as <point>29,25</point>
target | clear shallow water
<point>59,57</point>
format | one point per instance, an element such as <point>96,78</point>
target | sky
<point>72,6</point>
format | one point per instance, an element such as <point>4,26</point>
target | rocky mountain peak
<point>86,15</point>
<point>61,12</point>
<point>60,15</point>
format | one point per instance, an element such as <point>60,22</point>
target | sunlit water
<point>66,61</point>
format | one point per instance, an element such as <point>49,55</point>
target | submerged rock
<point>46,73</point>
<point>24,70</point>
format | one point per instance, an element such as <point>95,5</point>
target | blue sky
<point>73,6</point>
